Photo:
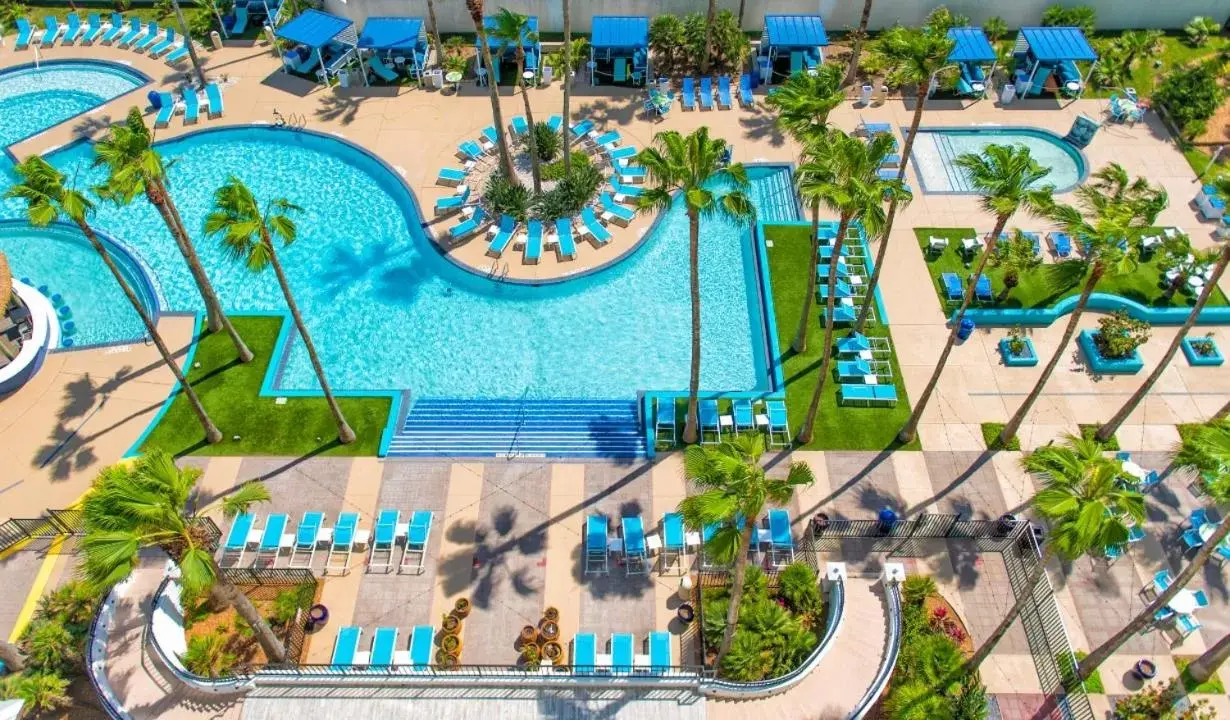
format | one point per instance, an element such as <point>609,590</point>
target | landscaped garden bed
<point>1016,350</point>
<point>1202,352</point>
<point>219,640</point>
<point>1127,365</point>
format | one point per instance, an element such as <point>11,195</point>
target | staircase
<point>452,427</point>
<point>774,195</point>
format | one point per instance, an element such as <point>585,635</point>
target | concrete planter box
<point>1108,366</point>
<point>1027,358</point>
<point>1193,358</point>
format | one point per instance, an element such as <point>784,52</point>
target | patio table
<point>1184,602</point>
<point>454,78</point>
<point>1134,470</point>
<point>1206,530</point>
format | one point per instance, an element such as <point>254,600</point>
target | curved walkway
<point>837,684</point>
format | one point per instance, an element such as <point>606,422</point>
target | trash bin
<point>215,40</point>
<point>1007,94</point>
<point>966,329</point>
<point>548,74</point>
<point>437,78</point>
<point>888,520</point>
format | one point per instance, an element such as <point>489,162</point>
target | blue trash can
<point>966,329</point>
<point>155,100</point>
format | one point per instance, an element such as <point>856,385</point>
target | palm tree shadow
<point>760,124</point>
<point>341,108</point>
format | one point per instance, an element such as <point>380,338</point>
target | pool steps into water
<point>455,427</point>
<point>774,197</point>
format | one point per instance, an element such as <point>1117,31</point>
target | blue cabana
<point>1043,53</point>
<point>324,44</point>
<point>971,54</point>
<point>791,44</point>
<point>397,39</point>
<point>619,49</point>
<point>502,52</point>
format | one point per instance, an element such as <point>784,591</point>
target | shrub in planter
<point>1120,335</point>
<point>461,608</point>
<point>547,141</point>
<point>1202,351</point>
<point>451,624</point>
<point>207,655</point>
<point>451,644</point>
<point>554,652</point>
<point>1191,95</point>
<point>445,661</point>
<point>1160,701</point>
<point>551,614</point>
<point>1203,347</point>
<point>570,195</point>
<point>530,654</point>
<point>529,635</point>
<point>507,197</point>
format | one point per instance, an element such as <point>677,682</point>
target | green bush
<point>667,40</point>
<point>507,197</point>
<point>1200,28</point>
<point>42,692</point>
<point>547,141</point>
<point>555,170</point>
<point>1191,95</point>
<point>995,28</point>
<point>1081,16</point>
<point>1120,335</point>
<point>799,588</point>
<point>288,602</point>
<point>1160,701</point>
<point>50,646</point>
<point>208,656</point>
<point>917,588</point>
<point>941,19</point>
<point>571,194</point>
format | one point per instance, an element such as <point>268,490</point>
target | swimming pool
<point>387,311</point>
<point>936,149</point>
<point>33,99</point>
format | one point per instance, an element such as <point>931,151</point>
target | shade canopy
<point>1056,44</point>
<point>612,31</point>
<point>801,31</point>
<point>971,45</point>
<point>317,29</point>
<point>392,33</point>
<point>497,44</point>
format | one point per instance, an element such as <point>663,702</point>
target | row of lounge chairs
<point>384,654</point>
<point>189,104</point>
<point>768,415</point>
<point>955,290</point>
<point>689,97</point>
<point>148,38</point>
<point>274,541</point>
<point>621,658</point>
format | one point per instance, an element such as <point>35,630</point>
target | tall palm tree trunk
<point>216,319</point>
<point>183,29</point>
<point>1106,431</point>
<point>212,434</point>
<point>800,335</point>
<point>1142,620</point>
<point>805,430</point>
<point>742,7</point>
<point>690,426</point>
<point>874,281</point>
<point>1203,667</point>
<point>1014,423</point>
<point>736,592</point>
<point>984,650</point>
<point>12,657</point>
<point>706,51</point>
<point>344,434</point>
<point>493,90</point>
<point>435,33</point>
<point>566,78</point>
<point>531,139</point>
<point>225,594</point>
<point>1223,413</point>
<point>857,48</point>
<point>911,425</point>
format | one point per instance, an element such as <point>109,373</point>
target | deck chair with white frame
<point>308,536</point>
<point>342,547</point>
<point>415,552</point>
<point>384,539</point>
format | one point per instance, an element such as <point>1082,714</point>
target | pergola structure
<point>502,51</point>
<point>1046,58</point>
<point>971,54</point>
<point>619,50</point>
<point>791,44</point>
<point>402,38</point>
<point>330,40</point>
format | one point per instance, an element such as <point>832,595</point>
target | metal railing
<point>53,524</point>
<point>892,647</point>
<point>96,658</point>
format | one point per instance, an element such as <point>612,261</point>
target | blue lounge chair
<point>384,539</point>
<point>724,92</point>
<point>584,653</point>
<point>93,29</point>
<point>842,314</point>
<point>629,173</point>
<point>213,96</point>
<point>614,212</point>
<point>664,419</point>
<point>884,394</point>
<point>1163,614</point>
<point>952,286</point>
<point>853,370</point>
<point>582,128</point>
<point>74,29</point>
<point>179,53</point>
<point>519,126</point>
<point>857,393</point>
<point>134,32</point>
<point>745,91</point>
<point>623,153</point>
<point>593,228</point>
<point>343,542</point>
<point>468,226</point>
<point>853,344</point>
<point>607,140</point>
<point>241,18</point>
<point>533,242</point>
<point>890,161</point>
<point>346,647</point>
<point>706,534</point>
<point>192,105</point>
<point>706,93</point>
<point>687,95</point>
<point>1113,552</point>
<point>841,289</point>
<point>596,545</point>
<point>1202,600</point>
<point>1198,517</point>
<point>781,542</point>
<point>237,539</point>
<point>982,288</point>
<point>1187,624</point>
<point>555,122</point>
<point>469,150</point>
<point>489,139</point>
<point>622,652</point>
<point>417,537</point>
<point>148,36</point>
<point>745,416</point>
<point>307,538</point>
<point>623,191</point>
<point>565,246</point>
<point>384,644</point>
<point>871,129</point>
<point>823,270</point>
<point>382,71</point>
<point>674,541</point>
<point>24,34</point>
<point>635,551</point>
<point>167,43</point>
<point>271,538</point>
<point>452,203</point>
<point>710,422</point>
<point>502,235</point>
<point>149,41</point>
<point>1192,539</point>
<point>779,423</point>
<point>115,31</point>
<point>421,638</point>
<point>1135,534</point>
<point>659,652</point>
<point>166,110</point>
<point>826,251</point>
<point>1162,580</point>
<point>51,31</point>
<point>450,177</point>
<point>1062,244</point>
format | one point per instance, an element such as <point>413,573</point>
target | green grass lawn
<point>1050,282</point>
<point>837,427</point>
<point>1213,686</point>
<point>230,392</point>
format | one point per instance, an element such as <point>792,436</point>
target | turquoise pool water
<point>34,99</point>
<point>936,149</point>
<point>387,311</point>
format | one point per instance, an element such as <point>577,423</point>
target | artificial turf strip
<point>1212,686</point>
<point>230,393</point>
<point>837,427</point>
<point>1088,432</point>
<point>1050,282</point>
<point>990,436</point>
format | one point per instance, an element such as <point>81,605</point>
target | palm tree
<point>1222,258</point>
<point>1015,257</point>
<point>841,173</point>
<point>1207,452</point>
<point>134,168</point>
<point>690,166</point>
<point>48,199</point>
<point>247,232</point>
<point>1005,176</point>
<point>434,29</point>
<point>43,693</point>
<point>1178,255</point>
<point>1084,505</point>
<point>857,48</point>
<point>476,15</point>
<point>1136,44</point>
<point>514,29</point>
<point>183,30</point>
<point>733,492</point>
<point>914,56</point>
<point>566,128</point>
<point>707,50</point>
<point>1203,667</point>
<point>151,504</point>
<point>1114,205</point>
<point>803,103</point>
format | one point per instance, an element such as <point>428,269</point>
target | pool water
<point>34,99</point>
<point>936,149</point>
<point>387,311</point>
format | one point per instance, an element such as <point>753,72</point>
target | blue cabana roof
<point>1055,44</point>
<point>496,45</point>
<point>972,45</point>
<point>314,28</point>
<point>391,33</point>
<point>613,31</point>
<point>795,30</point>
